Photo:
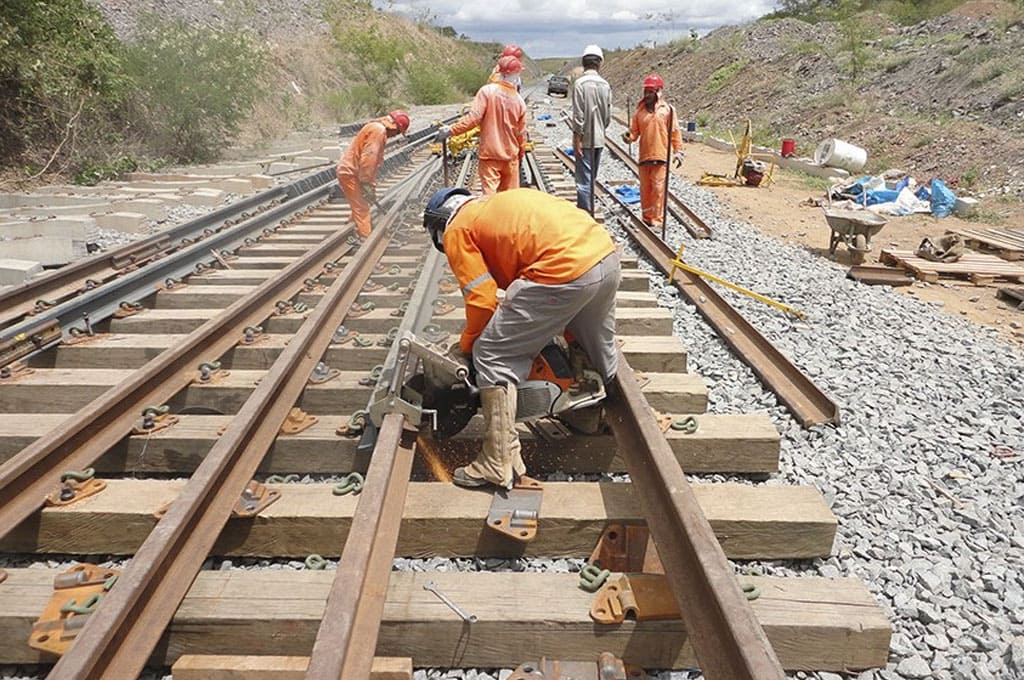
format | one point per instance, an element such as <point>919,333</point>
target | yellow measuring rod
<point>679,264</point>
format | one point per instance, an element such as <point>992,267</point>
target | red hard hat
<point>401,119</point>
<point>654,81</point>
<point>512,51</point>
<point>508,65</point>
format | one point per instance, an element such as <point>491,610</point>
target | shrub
<point>427,85</point>
<point>60,80</point>
<point>466,77</point>
<point>194,85</point>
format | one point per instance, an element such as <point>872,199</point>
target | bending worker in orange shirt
<point>500,113</point>
<point>559,269</point>
<point>357,169</point>
<point>651,124</point>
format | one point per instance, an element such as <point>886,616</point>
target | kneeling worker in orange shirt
<point>357,169</point>
<point>559,270</point>
<point>500,113</point>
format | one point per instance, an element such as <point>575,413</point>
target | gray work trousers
<point>585,172</point>
<point>533,313</point>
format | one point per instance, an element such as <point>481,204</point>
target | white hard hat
<point>593,50</point>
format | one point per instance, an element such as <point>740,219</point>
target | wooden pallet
<point>879,276</point>
<point>1013,295</point>
<point>1008,244</point>
<point>978,268</point>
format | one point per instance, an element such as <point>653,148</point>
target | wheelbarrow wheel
<point>859,250</point>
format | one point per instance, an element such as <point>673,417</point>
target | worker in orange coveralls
<point>500,113</point>
<point>559,270</point>
<point>651,124</point>
<point>358,166</point>
<point>508,51</point>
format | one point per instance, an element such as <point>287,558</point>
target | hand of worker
<point>456,355</point>
<point>678,157</point>
<point>627,137</point>
<point>443,133</point>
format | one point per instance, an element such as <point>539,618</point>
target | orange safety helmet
<point>509,65</point>
<point>512,50</point>
<point>654,82</point>
<point>401,119</point>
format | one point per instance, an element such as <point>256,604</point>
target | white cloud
<point>564,27</point>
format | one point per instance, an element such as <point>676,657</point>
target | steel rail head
<point>168,239</point>
<point>84,436</point>
<point>347,637</point>
<point>727,638</point>
<point>120,636</point>
<point>806,401</point>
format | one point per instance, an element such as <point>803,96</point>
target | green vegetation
<point>60,79</point>
<point>721,77</point>
<point>194,85</point>
<point>906,12</point>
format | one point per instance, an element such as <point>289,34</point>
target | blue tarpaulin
<point>628,194</point>
<point>943,200</point>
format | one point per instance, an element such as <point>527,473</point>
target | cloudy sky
<point>548,28</point>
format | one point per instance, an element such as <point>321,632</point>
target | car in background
<point>558,85</point>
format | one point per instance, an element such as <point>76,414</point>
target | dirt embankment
<point>943,98</point>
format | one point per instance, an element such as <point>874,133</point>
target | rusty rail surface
<point>347,637</point>
<point>29,476</point>
<point>64,283</point>
<point>119,637</point>
<point>806,401</point>
<point>726,635</point>
<point>697,227</point>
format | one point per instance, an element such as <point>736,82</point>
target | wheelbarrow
<point>855,228</point>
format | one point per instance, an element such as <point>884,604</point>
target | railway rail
<point>238,435</point>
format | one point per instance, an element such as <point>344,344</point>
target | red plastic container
<point>788,148</point>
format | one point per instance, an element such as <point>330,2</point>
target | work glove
<point>455,354</point>
<point>627,137</point>
<point>443,133</point>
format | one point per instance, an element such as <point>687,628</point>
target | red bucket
<point>788,148</point>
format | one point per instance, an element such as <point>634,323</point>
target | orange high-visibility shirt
<point>365,154</point>
<point>517,234</point>
<point>651,127</point>
<point>501,114</point>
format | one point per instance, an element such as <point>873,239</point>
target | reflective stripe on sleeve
<point>476,282</point>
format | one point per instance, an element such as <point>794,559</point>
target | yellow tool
<point>679,264</point>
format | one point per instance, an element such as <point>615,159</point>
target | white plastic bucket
<point>835,153</point>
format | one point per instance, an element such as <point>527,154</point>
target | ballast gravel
<point>929,508</point>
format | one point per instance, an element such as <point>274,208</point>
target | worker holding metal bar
<point>358,166</point>
<point>591,115</point>
<point>500,113</point>
<point>654,124</point>
<point>559,270</point>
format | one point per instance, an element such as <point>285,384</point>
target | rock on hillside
<point>267,17</point>
<point>941,98</point>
